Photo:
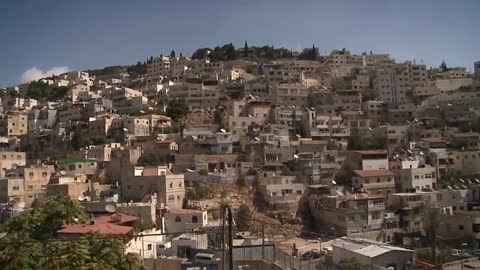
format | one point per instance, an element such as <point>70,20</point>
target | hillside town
<point>251,157</point>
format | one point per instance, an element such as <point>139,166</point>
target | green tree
<point>241,181</point>
<point>178,109</point>
<point>38,90</point>
<point>433,218</point>
<point>443,66</point>
<point>151,159</point>
<point>28,244</point>
<point>203,172</point>
<point>172,54</point>
<point>200,54</point>
<point>245,50</point>
<point>243,217</point>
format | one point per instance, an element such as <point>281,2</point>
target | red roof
<point>101,228</point>
<point>371,152</point>
<point>373,173</point>
<point>123,219</point>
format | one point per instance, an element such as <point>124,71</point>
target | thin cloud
<point>35,73</point>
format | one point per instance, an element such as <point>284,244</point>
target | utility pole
<point>263,241</point>
<point>227,210</point>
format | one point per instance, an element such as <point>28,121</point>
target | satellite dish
<point>81,198</point>
<point>223,130</point>
<point>295,156</point>
<point>449,187</point>
<point>461,180</point>
<point>370,129</point>
<point>88,198</point>
<point>190,170</point>
<point>334,182</point>
<point>257,139</point>
<point>478,181</point>
<point>142,111</point>
<point>62,172</point>
<point>312,108</point>
<point>125,129</point>
<point>298,136</point>
<point>111,208</point>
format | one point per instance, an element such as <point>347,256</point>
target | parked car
<point>311,255</point>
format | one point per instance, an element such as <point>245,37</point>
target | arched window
<point>178,219</point>
<point>171,185</point>
<point>194,219</point>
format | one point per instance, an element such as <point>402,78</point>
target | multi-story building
<point>9,159</point>
<point>393,84</point>
<point>324,126</point>
<point>14,124</point>
<point>132,125</point>
<point>412,175</point>
<point>281,192</point>
<point>378,182</point>
<point>138,182</point>
<point>348,100</point>
<point>77,166</point>
<point>290,94</point>
<point>12,190</point>
<point>198,93</point>
<point>351,214</point>
<point>367,160</point>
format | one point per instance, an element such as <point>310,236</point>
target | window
<point>178,219</point>
<point>16,188</point>
<point>171,198</point>
<point>30,174</point>
<point>460,227</point>
<point>129,187</point>
<point>194,219</point>
<point>171,185</point>
<point>149,247</point>
<point>376,215</point>
<point>30,187</point>
<point>44,174</point>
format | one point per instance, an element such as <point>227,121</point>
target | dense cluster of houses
<point>360,144</point>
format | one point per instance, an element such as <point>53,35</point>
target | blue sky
<point>97,33</point>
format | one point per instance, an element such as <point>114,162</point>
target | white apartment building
<point>413,175</point>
